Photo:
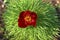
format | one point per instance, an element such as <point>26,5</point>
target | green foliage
<point>46,23</point>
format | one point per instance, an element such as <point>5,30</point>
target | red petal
<point>27,13</point>
<point>33,22</point>
<point>21,23</point>
<point>21,15</point>
<point>33,15</point>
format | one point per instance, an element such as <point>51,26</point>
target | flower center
<point>27,18</point>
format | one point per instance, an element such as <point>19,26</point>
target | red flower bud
<point>27,18</point>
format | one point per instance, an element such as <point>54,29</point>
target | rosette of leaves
<point>46,28</point>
